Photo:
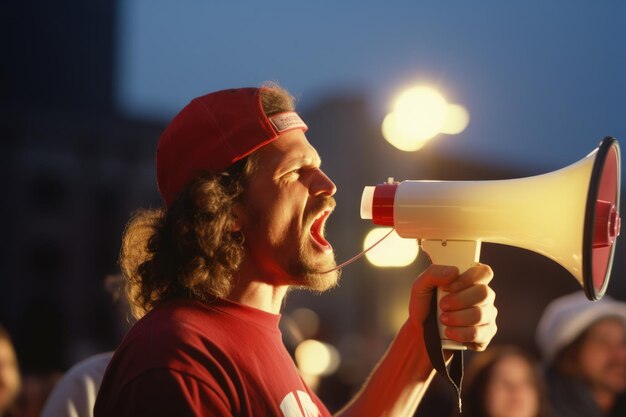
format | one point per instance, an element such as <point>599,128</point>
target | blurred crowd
<point>581,372</point>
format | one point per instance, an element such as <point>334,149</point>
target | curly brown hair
<point>189,249</point>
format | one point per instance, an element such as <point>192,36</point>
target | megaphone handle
<point>460,253</point>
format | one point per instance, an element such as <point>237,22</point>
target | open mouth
<point>317,231</point>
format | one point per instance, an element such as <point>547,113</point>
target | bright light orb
<point>418,115</point>
<point>394,251</point>
<point>399,137</point>
<point>316,358</point>
<point>421,111</point>
<point>457,119</point>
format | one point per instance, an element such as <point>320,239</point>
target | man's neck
<point>259,295</point>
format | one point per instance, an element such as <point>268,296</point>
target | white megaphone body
<point>570,215</point>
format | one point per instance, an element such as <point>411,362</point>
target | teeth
<point>322,214</point>
<point>317,229</point>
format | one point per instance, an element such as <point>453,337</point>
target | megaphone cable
<point>359,255</point>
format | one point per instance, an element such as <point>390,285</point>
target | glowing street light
<point>457,119</point>
<point>419,114</point>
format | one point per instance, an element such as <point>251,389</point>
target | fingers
<point>477,295</point>
<point>476,337</point>
<point>423,287</point>
<point>474,316</point>
<point>435,276</point>
<point>468,311</point>
<point>474,326</point>
<point>479,274</point>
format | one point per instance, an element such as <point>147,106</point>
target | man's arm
<point>400,380</point>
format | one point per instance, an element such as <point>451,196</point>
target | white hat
<point>565,318</point>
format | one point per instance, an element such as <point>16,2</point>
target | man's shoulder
<point>180,336</point>
<point>203,340</point>
<point>178,324</point>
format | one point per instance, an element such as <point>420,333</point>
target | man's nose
<point>322,185</point>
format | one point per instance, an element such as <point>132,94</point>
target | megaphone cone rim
<point>606,145</point>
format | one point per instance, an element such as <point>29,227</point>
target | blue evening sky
<point>543,80</point>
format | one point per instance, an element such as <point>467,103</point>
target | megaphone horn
<point>570,215</point>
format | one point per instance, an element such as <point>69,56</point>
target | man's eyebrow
<point>304,160</point>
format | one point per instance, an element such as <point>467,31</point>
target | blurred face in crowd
<point>512,391</point>
<point>285,206</point>
<point>9,375</point>
<point>602,356</point>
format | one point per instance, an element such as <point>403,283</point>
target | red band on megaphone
<point>382,204</point>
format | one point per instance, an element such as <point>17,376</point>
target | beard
<point>296,261</point>
<point>312,273</point>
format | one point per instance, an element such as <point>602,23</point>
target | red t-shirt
<point>187,358</point>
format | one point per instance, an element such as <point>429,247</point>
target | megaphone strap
<point>454,371</point>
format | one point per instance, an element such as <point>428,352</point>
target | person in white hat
<point>583,345</point>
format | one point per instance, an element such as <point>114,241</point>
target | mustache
<point>319,204</point>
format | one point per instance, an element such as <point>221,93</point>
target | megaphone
<point>570,216</point>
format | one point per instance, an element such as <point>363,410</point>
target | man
<point>583,344</point>
<point>10,380</point>
<point>246,204</point>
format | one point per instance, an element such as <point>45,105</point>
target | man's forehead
<point>291,147</point>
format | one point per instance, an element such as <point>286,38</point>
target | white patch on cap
<point>287,121</point>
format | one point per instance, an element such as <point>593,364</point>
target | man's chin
<point>322,282</point>
<point>314,271</point>
<point>319,279</point>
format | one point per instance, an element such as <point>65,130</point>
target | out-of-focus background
<point>87,87</point>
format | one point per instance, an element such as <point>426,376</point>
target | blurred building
<point>77,168</point>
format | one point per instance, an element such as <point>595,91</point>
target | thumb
<point>428,281</point>
<point>434,276</point>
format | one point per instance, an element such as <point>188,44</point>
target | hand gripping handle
<point>460,253</point>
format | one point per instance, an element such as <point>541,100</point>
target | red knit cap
<point>212,132</point>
